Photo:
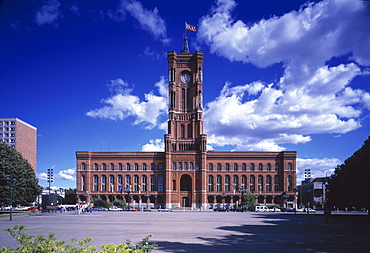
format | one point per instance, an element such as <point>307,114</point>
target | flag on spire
<point>190,27</point>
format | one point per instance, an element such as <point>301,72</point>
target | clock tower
<point>185,142</point>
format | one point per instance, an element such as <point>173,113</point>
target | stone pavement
<point>194,231</point>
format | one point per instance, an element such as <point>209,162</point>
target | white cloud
<point>312,97</point>
<point>68,175</point>
<point>49,13</point>
<point>156,145</point>
<point>149,20</point>
<point>123,104</point>
<point>42,176</point>
<point>319,167</point>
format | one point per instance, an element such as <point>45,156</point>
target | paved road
<point>194,231</point>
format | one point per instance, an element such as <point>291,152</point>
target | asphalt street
<point>194,231</point>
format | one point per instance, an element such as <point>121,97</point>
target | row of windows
<point>252,167</point>
<point>259,183</point>
<point>189,166</point>
<point>116,184</point>
<point>217,183</point>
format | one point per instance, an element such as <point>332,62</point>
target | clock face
<point>185,78</point>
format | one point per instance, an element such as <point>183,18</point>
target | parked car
<point>220,209</point>
<point>310,210</point>
<point>164,210</point>
<point>287,209</point>
<point>116,209</point>
<point>129,208</point>
<point>100,208</point>
<point>262,209</point>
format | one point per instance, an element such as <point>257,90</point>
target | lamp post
<point>147,198</point>
<point>128,190</point>
<point>11,183</point>
<point>223,196</point>
<point>242,191</point>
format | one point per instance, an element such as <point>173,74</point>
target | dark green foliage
<point>40,243</point>
<point>249,201</point>
<point>70,196</point>
<point>100,202</point>
<point>13,165</point>
<point>349,184</point>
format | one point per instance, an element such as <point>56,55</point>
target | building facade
<point>186,174</point>
<point>312,193</point>
<point>21,136</point>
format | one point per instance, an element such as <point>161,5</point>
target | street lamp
<point>242,191</point>
<point>128,190</point>
<point>147,198</point>
<point>11,183</point>
<point>50,177</point>
<point>223,196</point>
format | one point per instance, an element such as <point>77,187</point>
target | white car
<point>114,208</point>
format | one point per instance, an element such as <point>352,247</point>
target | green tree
<point>70,196</point>
<point>348,185</point>
<point>13,165</point>
<point>249,200</point>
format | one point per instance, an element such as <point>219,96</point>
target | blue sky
<point>278,75</point>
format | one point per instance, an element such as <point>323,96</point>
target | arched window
<point>160,166</point>
<point>83,183</point>
<point>290,167</point>
<point>260,183</point>
<point>251,167</point>
<point>144,183</point>
<point>210,183</point>
<point>152,183</point>
<point>244,181</point>
<point>111,183</point>
<point>120,166</point>
<point>227,183</point>
<point>276,167</point>
<point>104,167</point>
<point>136,183</point>
<point>183,99</point>
<point>276,183</point>
<point>111,166</point>
<point>235,167</point>
<point>96,183</point>
<point>120,183</point>
<point>144,166</point>
<point>227,167</point>
<point>180,165</point>
<point>136,167</point>
<point>268,167</point>
<point>104,183</point>
<point>196,166</point>
<point>128,180</point>
<point>210,167</point>
<point>244,167</point>
<point>252,181</point>
<point>191,166</point>
<point>83,166</point>
<point>219,167</point>
<point>152,166</point>
<point>96,167</point>
<point>186,166</point>
<point>160,184</point>
<point>290,183</point>
<point>219,183</point>
<point>174,166</point>
<point>182,131</point>
<point>190,131</point>
<point>128,167</point>
<point>235,182</point>
<point>260,167</point>
<point>268,183</point>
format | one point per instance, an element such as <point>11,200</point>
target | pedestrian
<point>90,209</point>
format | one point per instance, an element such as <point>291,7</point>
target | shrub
<point>31,243</point>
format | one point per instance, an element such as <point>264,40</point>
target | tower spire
<point>185,49</point>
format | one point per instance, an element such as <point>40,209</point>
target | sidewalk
<point>194,231</point>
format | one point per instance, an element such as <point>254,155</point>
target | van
<point>262,209</point>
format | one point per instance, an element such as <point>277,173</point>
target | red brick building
<point>186,174</point>
<point>21,136</point>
